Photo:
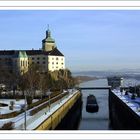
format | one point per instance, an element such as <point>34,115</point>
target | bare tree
<point>44,82</point>
<point>32,81</point>
<point>22,84</point>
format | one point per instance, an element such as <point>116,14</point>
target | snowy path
<point>33,121</point>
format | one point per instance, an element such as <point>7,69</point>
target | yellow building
<point>49,58</point>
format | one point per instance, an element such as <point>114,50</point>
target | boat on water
<point>92,105</point>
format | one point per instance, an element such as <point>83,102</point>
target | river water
<point>99,120</point>
<point>92,121</point>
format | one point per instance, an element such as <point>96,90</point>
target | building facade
<point>49,57</point>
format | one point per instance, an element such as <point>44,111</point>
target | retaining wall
<point>57,119</point>
<point>121,116</point>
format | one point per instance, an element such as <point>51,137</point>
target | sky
<point>89,39</point>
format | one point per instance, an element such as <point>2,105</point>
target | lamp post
<point>49,94</point>
<point>61,94</point>
<point>135,89</point>
<point>25,113</point>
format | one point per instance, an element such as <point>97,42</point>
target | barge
<point>92,105</point>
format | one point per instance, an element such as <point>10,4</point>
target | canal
<point>79,119</point>
<point>99,120</point>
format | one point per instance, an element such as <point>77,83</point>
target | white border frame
<point>70,5</point>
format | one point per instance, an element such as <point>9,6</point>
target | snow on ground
<point>57,105</point>
<point>33,121</point>
<point>18,104</point>
<point>134,104</point>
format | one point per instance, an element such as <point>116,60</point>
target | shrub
<point>7,126</point>
<point>9,115</point>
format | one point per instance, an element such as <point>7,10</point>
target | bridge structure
<point>95,88</point>
<point>100,88</point>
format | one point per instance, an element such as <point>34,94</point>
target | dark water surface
<point>99,120</point>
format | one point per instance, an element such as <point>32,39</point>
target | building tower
<point>48,44</point>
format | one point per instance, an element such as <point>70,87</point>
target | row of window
<point>2,71</point>
<point>45,63</point>
<point>57,58</point>
<point>5,59</point>
<point>56,67</point>
<point>38,58</point>
<point>39,62</point>
<point>57,63</point>
<point>48,63</point>
<point>23,63</point>
<point>33,58</point>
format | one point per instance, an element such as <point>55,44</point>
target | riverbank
<point>81,79</point>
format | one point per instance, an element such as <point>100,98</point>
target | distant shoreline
<point>82,79</point>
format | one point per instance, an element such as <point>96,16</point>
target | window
<point>37,62</point>
<point>43,62</point>
<point>62,63</point>
<point>56,67</point>
<point>61,58</point>
<point>23,63</point>
<point>56,58</point>
<point>44,58</point>
<point>52,58</point>
<point>52,62</point>
<point>56,62</point>
<point>38,58</point>
<point>10,71</point>
<point>33,58</point>
<point>32,62</point>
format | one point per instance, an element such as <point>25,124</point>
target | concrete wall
<point>72,119</point>
<point>121,116</point>
<point>55,119</point>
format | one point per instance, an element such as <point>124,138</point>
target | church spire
<point>48,43</point>
<point>48,32</point>
<point>48,26</point>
